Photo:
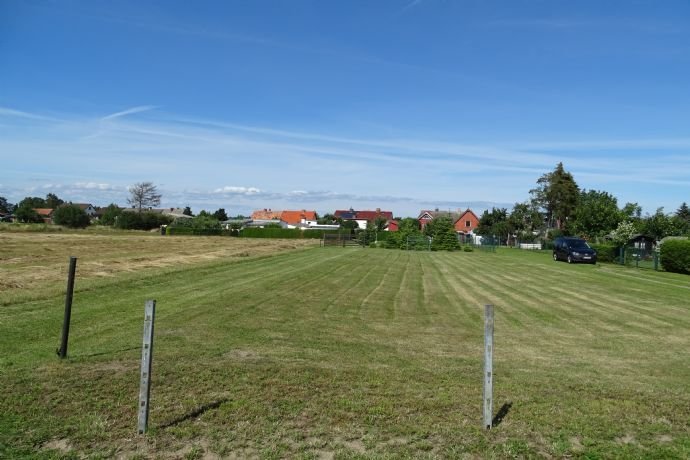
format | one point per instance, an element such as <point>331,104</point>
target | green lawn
<point>355,353</point>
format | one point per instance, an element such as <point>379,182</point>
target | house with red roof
<point>266,214</point>
<point>46,214</point>
<point>464,222</point>
<point>364,217</point>
<point>295,219</point>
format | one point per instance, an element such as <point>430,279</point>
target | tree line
<point>557,206</point>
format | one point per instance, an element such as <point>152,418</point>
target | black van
<point>573,250</point>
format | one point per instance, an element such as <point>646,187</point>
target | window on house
<point>468,223</point>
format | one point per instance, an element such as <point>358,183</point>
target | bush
<point>675,256</point>
<point>467,248</point>
<point>131,220</point>
<point>71,216</point>
<point>288,233</point>
<point>27,215</point>
<point>606,252</point>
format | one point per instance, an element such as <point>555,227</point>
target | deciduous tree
<point>220,214</point>
<point>557,193</point>
<point>5,206</point>
<point>26,213</point>
<point>144,195</point>
<point>596,214</point>
<point>52,201</point>
<point>110,214</point>
<point>71,216</point>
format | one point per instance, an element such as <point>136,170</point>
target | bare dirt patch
<point>62,445</point>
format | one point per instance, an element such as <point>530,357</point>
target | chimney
<point>378,210</point>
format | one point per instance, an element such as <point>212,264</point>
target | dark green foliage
<point>606,252</point>
<point>5,206</point>
<point>557,193</point>
<point>52,201</point>
<point>187,211</point>
<point>596,214</point>
<point>443,233</point>
<point>446,241</point>
<point>329,219</point>
<point>71,216</point>
<point>220,214</point>
<point>350,225</point>
<point>438,225</point>
<point>32,202</point>
<point>288,233</point>
<point>407,227</point>
<point>660,225</point>
<point>683,212</point>
<point>25,213</point>
<point>132,220</point>
<point>110,214</point>
<point>525,220</point>
<point>495,223</point>
<point>204,224</point>
<point>467,248</point>
<point>675,256</point>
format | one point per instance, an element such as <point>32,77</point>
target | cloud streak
<point>200,161</point>
<point>132,111</point>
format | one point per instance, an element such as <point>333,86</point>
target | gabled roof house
<point>463,221</point>
<point>364,217</point>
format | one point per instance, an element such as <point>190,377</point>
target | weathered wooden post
<point>487,393</point>
<point>62,352</point>
<point>146,360</point>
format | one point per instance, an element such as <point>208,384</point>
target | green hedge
<point>132,220</point>
<point>192,231</point>
<point>675,256</point>
<point>606,252</point>
<point>287,233</point>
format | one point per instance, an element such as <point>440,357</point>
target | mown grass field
<point>343,353</point>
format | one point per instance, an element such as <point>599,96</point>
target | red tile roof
<point>266,214</point>
<point>44,212</point>
<point>295,217</point>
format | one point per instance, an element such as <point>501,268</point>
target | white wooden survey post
<point>146,360</point>
<point>487,393</point>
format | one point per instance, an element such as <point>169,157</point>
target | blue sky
<point>402,105</point>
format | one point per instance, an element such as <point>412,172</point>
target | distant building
<point>46,214</point>
<point>295,219</point>
<point>364,217</point>
<point>266,214</point>
<point>464,222</point>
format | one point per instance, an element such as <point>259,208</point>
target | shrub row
<point>131,220</point>
<point>192,231</point>
<point>287,233</point>
<point>675,256</point>
<point>606,252</point>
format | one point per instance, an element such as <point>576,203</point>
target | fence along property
<point>339,239</point>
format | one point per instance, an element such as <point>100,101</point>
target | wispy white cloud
<point>131,111</point>
<point>410,5</point>
<point>232,190</point>
<point>201,161</point>
<point>12,113</point>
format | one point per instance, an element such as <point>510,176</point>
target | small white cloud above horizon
<point>238,190</point>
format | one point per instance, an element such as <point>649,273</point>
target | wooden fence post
<point>146,361</point>
<point>62,351</point>
<point>488,389</point>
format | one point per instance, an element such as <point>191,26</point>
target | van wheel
<point>555,257</point>
<point>570,260</point>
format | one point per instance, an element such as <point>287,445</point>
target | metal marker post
<point>62,351</point>
<point>146,359</point>
<point>487,394</point>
